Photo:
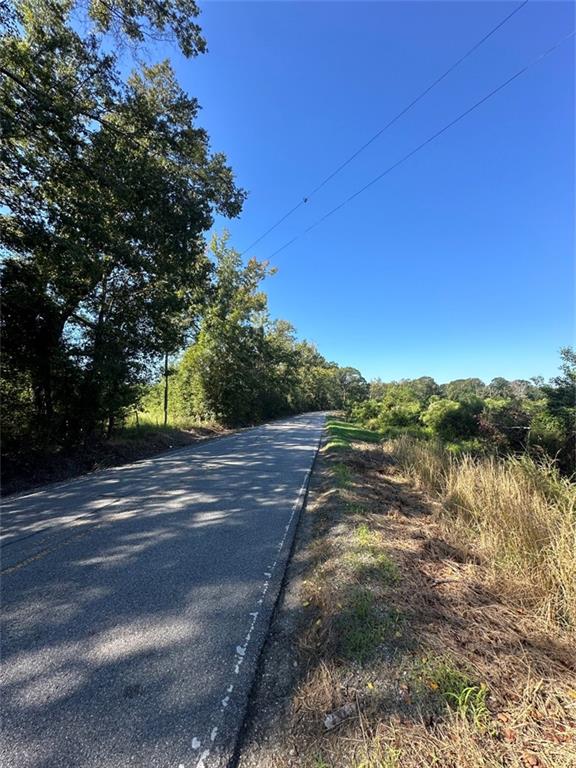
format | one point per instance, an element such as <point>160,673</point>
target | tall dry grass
<point>519,515</point>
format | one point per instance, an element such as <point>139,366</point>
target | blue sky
<point>461,261</point>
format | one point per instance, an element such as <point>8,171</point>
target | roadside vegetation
<point>436,621</point>
<point>468,416</point>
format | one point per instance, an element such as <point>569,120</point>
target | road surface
<point>136,600</point>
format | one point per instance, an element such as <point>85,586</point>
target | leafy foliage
<point>107,188</point>
<point>244,367</point>
<point>503,416</point>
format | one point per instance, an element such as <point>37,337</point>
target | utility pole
<point>166,389</point>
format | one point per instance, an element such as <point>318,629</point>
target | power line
<point>426,142</point>
<point>400,114</point>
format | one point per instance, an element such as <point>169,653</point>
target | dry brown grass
<point>518,515</point>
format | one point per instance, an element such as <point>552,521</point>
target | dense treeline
<point>244,367</point>
<point>108,188</point>
<point>506,416</point>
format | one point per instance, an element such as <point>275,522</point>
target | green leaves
<point>142,20</point>
<point>107,189</point>
<point>244,367</point>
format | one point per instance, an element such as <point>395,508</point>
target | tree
<point>318,382</point>
<point>424,389</point>
<point>464,389</point>
<point>500,388</point>
<point>354,386</point>
<point>107,189</point>
<point>281,361</point>
<point>138,20</point>
<point>221,375</point>
<point>505,424</point>
<point>560,396</point>
<point>377,388</point>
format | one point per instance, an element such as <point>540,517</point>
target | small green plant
<point>456,689</point>
<point>470,703</point>
<point>363,627</point>
<point>342,474</point>
<point>365,537</point>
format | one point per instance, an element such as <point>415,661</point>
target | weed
<point>470,703</point>
<point>455,688</point>
<point>365,537</point>
<point>363,627</point>
<point>342,474</point>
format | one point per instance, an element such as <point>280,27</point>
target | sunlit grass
<point>439,678</point>
<point>518,514</point>
<point>342,475</point>
<point>346,433</point>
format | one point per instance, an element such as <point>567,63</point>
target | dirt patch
<point>391,647</point>
<point>23,472</point>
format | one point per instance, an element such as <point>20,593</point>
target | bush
<point>505,424</point>
<point>452,420</point>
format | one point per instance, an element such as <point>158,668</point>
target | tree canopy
<point>107,188</point>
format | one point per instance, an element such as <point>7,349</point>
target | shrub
<point>453,420</point>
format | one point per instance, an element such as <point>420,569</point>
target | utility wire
<point>385,128</point>
<point>427,141</point>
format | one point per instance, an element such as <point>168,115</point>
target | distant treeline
<point>244,367</point>
<point>470,415</point>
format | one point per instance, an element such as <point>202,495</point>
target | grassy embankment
<point>438,609</point>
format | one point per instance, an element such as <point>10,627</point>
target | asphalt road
<point>135,601</point>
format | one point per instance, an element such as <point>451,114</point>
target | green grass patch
<point>370,565</point>
<point>456,689</point>
<point>366,537</point>
<point>342,474</point>
<point>369,560</point>
<point>337,444</point>
<point>345,432</point>
<point>363,628</point>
